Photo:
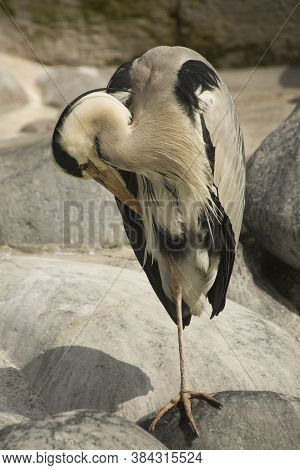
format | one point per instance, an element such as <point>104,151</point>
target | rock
<point>248,420</point>
<point>89,34</point>
<point>90,336</point>
<point>284,278</point>
<point>42,205</point>
<point>12,94</point>
<point>61,84</point>
<point>78,430</point>
<point>252,287</point>
<point>17,396</point>
<point>7,418</point>
<point>97,33</point>
<point>41,126</point>
<point>18,400</point>
<point>226,34</point>
<point>272,211</point>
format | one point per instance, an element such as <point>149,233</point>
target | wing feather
<point>229,169</point>
<point>222,124</point>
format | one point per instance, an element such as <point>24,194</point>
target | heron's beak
<point>111,180</point>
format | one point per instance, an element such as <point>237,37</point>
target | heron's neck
<point>163,141</point>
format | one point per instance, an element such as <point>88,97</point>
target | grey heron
<point>164,137</point>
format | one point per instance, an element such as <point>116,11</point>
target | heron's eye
<point>84,166</point>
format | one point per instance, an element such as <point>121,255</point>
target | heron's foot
<point>185,397</point>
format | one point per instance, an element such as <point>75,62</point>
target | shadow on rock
<point>70,378</point>
<point>268,274</point>
<point>17,396</point>
<point>290,77</point>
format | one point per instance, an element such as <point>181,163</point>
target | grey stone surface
<point>283,277</point>
<point>8,418</point>
<point>272,211</point>
<point>17,396</point>
<point>40,126</point>
<point>95,337</point>
<point>248,420</point>
<point>61,84</point>
<point>18,400</point>
<point>41,205</point>
<point>252,287</point>
<point>78,430</point>
<point>12,94</point>
<point>96,33</point>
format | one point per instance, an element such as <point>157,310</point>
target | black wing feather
<point>223,243</point>
<point>121,78</point>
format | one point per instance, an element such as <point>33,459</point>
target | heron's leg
<point>185,394</point>
<point>177,293</point>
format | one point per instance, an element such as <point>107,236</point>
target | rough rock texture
<point>78,430</point>
<point>272,212</point>
<point>7,418</point>
<point>40,204</point>
<point>96,33</point>
<point>61,84</point>
<point>89,336</point>
<point>12,94</point>
<point>18,400</point>
<point>248,420</point>
<point>17,396</point>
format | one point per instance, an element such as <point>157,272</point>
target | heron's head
<point>89,129</point>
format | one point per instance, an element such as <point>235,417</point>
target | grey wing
<point>219,121</point>
<point>221,132</point>
<point>222,123</point>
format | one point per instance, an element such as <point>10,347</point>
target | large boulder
<point>59,85</point>
<point>272,211</point>
<point>252,286</point>
<point>78,430</point>
<point>12,95</point>
<point>97,33</point>
<point>248,420</point>
<point>42,205</point>
<point>90,336</point>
